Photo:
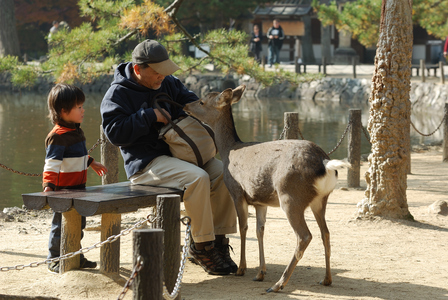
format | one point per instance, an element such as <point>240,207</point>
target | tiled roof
<point>284,8</point>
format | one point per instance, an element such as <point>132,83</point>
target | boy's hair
<point>63,97</point>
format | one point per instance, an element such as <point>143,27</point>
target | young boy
<point>66,159</point>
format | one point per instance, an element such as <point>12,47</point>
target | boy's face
<point>75,115</point>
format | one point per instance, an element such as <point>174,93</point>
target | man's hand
<point>160,117</point>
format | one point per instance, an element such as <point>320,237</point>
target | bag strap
<point>179,131</point>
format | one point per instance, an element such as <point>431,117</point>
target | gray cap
<point>154,55</point>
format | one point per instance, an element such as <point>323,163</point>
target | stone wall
<point>424,96</point>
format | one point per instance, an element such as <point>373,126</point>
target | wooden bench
<point>109,201</point>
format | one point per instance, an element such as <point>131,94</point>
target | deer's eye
<point>201,103</point>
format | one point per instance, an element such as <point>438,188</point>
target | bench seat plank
<point>111,201</point>
<point>110,198</point>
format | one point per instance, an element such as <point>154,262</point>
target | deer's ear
<point>225,98</point>
<point>237,93</point>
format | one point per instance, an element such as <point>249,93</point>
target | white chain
<point>173,295</point>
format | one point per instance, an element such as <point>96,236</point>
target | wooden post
<point>110,223</point>
<point>442,74</point>
<point>354,66</point>
<point>168,213</point>
<point>110,252</point>
<point>324,65</point>
<point>445,136</point>
<point>291,121</point>
<point>422,67</point>
<point>109,158</point>
<point>354,148</point>
<point>70,240</point>
<point>148,245</point>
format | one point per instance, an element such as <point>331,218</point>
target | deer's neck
<point>226,136</point>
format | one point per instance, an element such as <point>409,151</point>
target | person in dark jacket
<point>255,43</point>
<point>131,122</point>
<point>276,36</point>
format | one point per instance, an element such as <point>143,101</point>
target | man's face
<point>275,23</point>
<point>148,77</point>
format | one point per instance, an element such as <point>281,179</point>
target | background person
<point>255,43</point>
<point>276,36</point>
<point>131,122</point>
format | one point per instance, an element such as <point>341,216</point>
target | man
<point>276,36</point>
<point>131,122</point>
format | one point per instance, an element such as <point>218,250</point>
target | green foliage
<point>432,15</point>
<point>8,63</point>
<point>362,18</point>
<point>90,50</point>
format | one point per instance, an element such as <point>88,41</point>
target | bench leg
<point>110,252</point>
<point>70,240</point>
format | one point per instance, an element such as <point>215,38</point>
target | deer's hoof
<point>260,276</point>
<point>326,282</point>
<point>274,288</point>
<point>240,272</point>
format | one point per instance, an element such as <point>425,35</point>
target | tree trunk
<point>9,42</point>
<point>390,110</point>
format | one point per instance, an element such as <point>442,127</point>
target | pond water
<point>24,126</point>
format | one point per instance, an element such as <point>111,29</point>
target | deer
<point>290,174</point>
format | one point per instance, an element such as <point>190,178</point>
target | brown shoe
<point>224,251</point>
<point>210,260</point>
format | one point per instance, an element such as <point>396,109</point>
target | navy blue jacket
<point>130,122</point>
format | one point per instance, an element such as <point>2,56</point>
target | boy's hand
<point>98,168</point>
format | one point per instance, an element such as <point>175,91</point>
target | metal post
<point>291,121</point>
<point>445,135</point>
<point>354,66</point>
<point>354,148</point>
<point>422,67</point>
<point>148,250</point>
<point>168,213</point>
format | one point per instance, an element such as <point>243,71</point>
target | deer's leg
<point>296,217</point>
<point>319,214</point>
<point>261,221</point>
<point>242,213</point>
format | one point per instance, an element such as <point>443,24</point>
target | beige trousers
<point>206,198</point>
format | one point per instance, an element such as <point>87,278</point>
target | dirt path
<point>371,259</point>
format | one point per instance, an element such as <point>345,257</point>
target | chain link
<point>285,128</point>
<point>166,295</point>
<point>100,141</point>
<point>137,268</point>
<point>366,134</point>
<point>429,134</point>
<point>110,239</point>
<point>342,138</point>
